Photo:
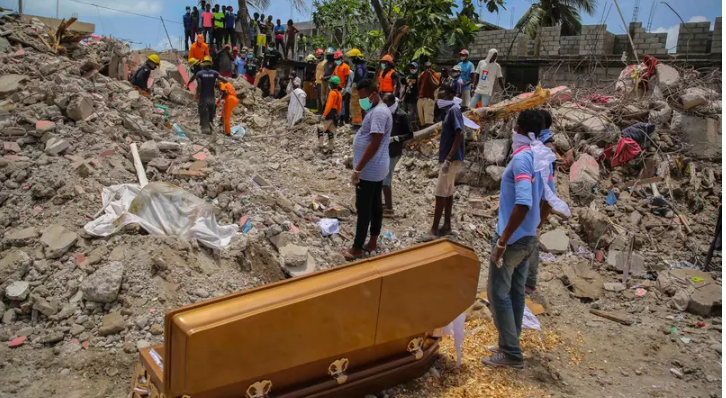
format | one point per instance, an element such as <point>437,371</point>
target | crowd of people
<point>384,106</point>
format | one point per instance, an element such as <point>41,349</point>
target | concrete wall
<point>501,40</point>
<point>574,77</point>
<point>549,41</point>
<point>648,43</point>
<point>694,38</point>
<point>716,46</point>
<point>595,39</point>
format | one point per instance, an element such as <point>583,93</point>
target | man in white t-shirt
<point>485,74</point>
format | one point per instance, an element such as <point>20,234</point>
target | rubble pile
<point>67,123</point>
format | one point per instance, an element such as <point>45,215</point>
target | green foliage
<point>346,16</point>
<point>564,13</point>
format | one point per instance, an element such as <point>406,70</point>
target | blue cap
<point>415,64</point>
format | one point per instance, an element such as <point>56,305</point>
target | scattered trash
<point>685,340</point>
<point>584,253</point>
<point>238,131</point>
<point>247,226</point>
<point>329,226</point>
<point>611,199</point>
<point>640,292</point>
<point>530,321</point>
<point>547,257</point>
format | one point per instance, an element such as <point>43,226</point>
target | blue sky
<point>149,31</point>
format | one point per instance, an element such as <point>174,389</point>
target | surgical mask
<point>338,62</point>
<point>270,49</point>
<point>383,66</point>
<point>462,58</point>
<point>412,71</point>
<point>365,104</point>
<point>520,140</point>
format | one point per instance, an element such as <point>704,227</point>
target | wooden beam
<point>140,172</point>
<point>615,318</point>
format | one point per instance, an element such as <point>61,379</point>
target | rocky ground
<point>75,308</point>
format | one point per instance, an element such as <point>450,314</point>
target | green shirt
<point>219,20</point>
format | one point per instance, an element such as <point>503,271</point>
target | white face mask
<point>520,140</point>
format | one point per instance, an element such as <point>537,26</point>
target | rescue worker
<point>328,69</point>
<point>331,115</point>
<point>319,69</point>
<point>229,96</point>
<point>309,82</point>
<point>225,60</point>
<point>342,70</point>
<point>206,81</point>
<point>388,80</point>
<point>140,78</point>
<point>198,51</point>
<point>359,73</point>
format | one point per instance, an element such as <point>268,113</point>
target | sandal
<point>445,232</point>
<point>388,213</point>
<point>427,237</point>
<point>350,257</point>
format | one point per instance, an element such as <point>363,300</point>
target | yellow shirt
<point>319,70</point>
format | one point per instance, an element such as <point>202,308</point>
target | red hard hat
<point>387,58</point>
<point>230,8</point>
<point>319,51</point>
<point>235,48</point>
<point>338,54</point>
<point>464,52</point>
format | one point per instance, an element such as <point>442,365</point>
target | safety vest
<point>385,83</point>
<point>343,72</point>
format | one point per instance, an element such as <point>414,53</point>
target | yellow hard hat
<point>354,53</point>
<point>207,60</point>
<point>154,58</point>
<point>193,61</point>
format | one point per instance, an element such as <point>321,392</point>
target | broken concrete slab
<point>103,285</point>
<point>58,240</point>
<point>11,146</point>
<point>705,297</point>
<point>703,135</point>
<point>14,264</point>
<point>583,281</point>
<point>44,126</point>
<point>555,242</point>
<point>693,97</point>
<point>17,291</point>
<point>577,118</point>
<point>148,151</point>
<point>111,324</point>
<point>11,83</point>
<point>20,236</point>
<point>668,77</point>
<point>614,286</point>
<point>80,107</point>
<point>166,146</point>
<point>56,145</point>
<point>617,259</point>
<point>562,143</point>
<point>661,114</point>
<point>181,96</point>
<point>584,176</point>
<point>45,307</point>
<point>495,172</point>
<point>495,151</point>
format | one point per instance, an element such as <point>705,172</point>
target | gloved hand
<point>396,138</point>
<point>445,166</point>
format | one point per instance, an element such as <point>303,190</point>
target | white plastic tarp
<point>160,209</point>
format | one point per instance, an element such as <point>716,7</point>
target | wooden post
<point>167,33</point>
<point>140,172</point>
<point>20,7</point>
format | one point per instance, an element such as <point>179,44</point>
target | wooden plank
<point>642,182</point>
<point>140,172</point>
<point>615,318</point>
<point>189,173</point>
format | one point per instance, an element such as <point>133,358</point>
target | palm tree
<point>564,13</point>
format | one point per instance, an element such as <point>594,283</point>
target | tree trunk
<point>385,24</point>
<point>244,19</point>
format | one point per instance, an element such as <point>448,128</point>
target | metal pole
<point>57,8</point>
<point>167,33</point>
<point>20,7</point>
<point>627,30</point>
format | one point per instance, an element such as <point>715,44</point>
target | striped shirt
<point>378,120</point>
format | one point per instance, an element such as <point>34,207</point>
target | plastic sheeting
<point>455,329</point>
<point>160,209</point>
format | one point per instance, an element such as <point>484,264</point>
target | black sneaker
<point>502,360</point>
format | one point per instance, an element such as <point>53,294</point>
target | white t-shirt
<point>488,74</point>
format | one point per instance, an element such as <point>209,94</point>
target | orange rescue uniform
<point>199,49</point>
<point>343,73</point>
<point>335,101</point>
<point>230,102</point>
<point>385,83</point>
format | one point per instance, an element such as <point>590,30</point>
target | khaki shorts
<point>425,108</point>
<point>466,96</point>
<point>329,126</point>
<point>445,184</point>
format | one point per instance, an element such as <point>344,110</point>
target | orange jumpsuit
<point>230,102</point>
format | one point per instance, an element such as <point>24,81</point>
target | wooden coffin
<point>343,332</point>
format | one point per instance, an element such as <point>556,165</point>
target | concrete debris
<point>617,260</point>
<point>584,176</point>
<point>495,172</point>
<point>562,143</point>
<point>103,285</point>
<point>614,286</point>
<point>668,77</point>
<point>58,240</point>
<point>702,134</point>
<point>14,264</point>
<point>80,107</point>
<point>17,291</point>
<point>296,260</point>
<point>9,84</point>
<point>20,236</point>
<point>55,146</point>
<point>693,97</point>
<point>111,324</point>
<point>495,151</point>
<point>555,242</point>
<point>148,151</point>
<point>181,96</point>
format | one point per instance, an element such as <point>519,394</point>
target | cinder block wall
<point>694,38</point>
<point>595,39</point>
<point>574,77</point>
<point>501,40</point>
<point>549,41</point>
<point>716,46</point>
<point>648,43</point>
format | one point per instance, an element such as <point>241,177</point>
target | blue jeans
<point>533,268</point>
<point>484,98</point>
<point>391,168</point>
<point>505,290</point>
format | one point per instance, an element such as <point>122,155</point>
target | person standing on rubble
<point>342,70</point>
<point>410,92</point>
<point>328,69</point>
<point>428,82</point>
<point>330,117</point>
<point>195,23</point>
<point>466,68</point>
<point>269,29</point>
<point>546,137</point>
<point>218,31</point>
<point>279,31</point>
<point>400,133</point>
<point>290,33</point>
<point>514,241</point>
<point>207,23</point>
<point>140,78</point>
<point>359,73</point>
<point>197,52</point>
<point>230,36</point>
<point>319,70</point>
<point>206,82</point>
<point>371,165</point>
<point>261,36</point>
<point>230,101</point>
<point>188,25</point>
<point>269,67</point>
<point>225,61</point>
<point>240,28</point>
<point>457,83</point>
<point>487,71</point>
<point>388,80</point>
<point>451,156</point>
<point>239,61</point>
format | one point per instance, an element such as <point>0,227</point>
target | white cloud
<point>673,31</point>
<point>70,7</point>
